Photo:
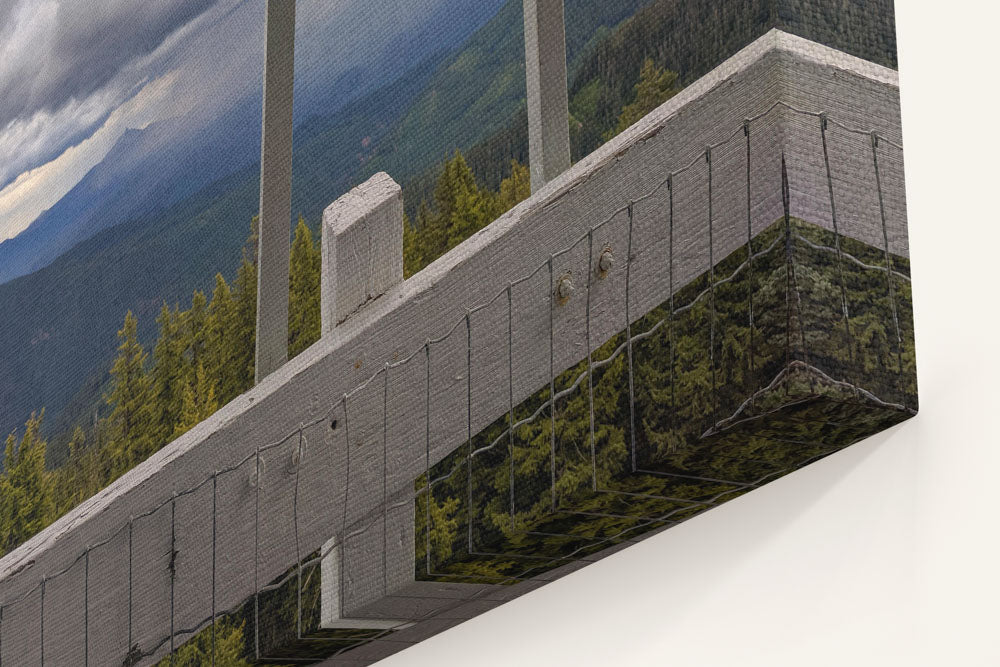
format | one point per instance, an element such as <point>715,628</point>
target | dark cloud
<point>69,49</point>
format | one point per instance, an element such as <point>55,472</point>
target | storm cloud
<point>76,74</point>
<point>54,53</point>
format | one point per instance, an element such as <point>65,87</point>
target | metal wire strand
<point>468,397</point>
<point>427,457</point>
<point>130,531</point>
<point>845,309</point>
<point>86,609</point>
<point>875,138</point>
<point>298,551</point>
<point>215,484</point>
<point>750,276</point>
<point>385,482</point>
<point>510,394</point>
<point>590,359</point>
<point>552,380</point>
<point>711,282</point>
<point>628,336</point>
<point>670,280</point>
<point>173,571</point>
<point>256,558</point>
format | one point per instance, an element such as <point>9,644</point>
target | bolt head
<point>564,289</point>
<point>606,261</point>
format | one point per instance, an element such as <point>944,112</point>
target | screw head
<point>564,288</point>
<point>605,262</point>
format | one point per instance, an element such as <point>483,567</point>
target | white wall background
<point>885,554</point>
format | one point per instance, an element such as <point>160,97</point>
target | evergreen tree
<point>26,505</point>
<point>194,329</point>
<point>168,375</point>
<point>465,208</point>
<point>10,531</point>
<point>130,418</point>
<point>198,401</point>
<point>455,183</point>
<point>461,208</point>
<point>304,291</point>
<point>244,329</point>
<point>76,443</point>
<point>220,342</point>
<point>430,237</point>
<point>656,85</point>
<point>411,248</point>
<point>77,479</point>
<point>515,188</point>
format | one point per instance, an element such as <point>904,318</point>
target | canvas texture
<point>328,328</point>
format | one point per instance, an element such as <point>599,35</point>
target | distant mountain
<point>146,171</point>
<point>477,90</point>
<point>150,169</point>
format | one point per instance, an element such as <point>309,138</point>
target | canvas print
<point>328,325</point>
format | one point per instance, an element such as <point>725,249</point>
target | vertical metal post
<point>590,359</point>
<point>173,572</point>
<point>548,92</point>
<point>711,279</point>
<point>510,395</point>
<point>86,607</point>
<point>888,268</point>
<point>670,272</point>
<point>256,556</point>
<point>215,489</point>
<point>750,279</point>
<point>628,334</point>
<point>468,413</point>
<point>298,550</point>
<point>552,378</point>
<point>845,310</point>
<point>385,482</point>
<point>275,189</point>
<point>41,624</point>
<point>131,524</point>
<point>427,456</point>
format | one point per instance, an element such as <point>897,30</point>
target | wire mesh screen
<point>747,315</point>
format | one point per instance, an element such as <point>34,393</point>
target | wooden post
<point>362,248</point>
<point>548,94</point>
<point>275,189</point>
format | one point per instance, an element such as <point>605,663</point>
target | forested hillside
<point>693,36</point>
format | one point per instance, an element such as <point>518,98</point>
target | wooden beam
<point>275,189</point>
<point>548,95</point>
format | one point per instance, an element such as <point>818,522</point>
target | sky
<point>74,75</point>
